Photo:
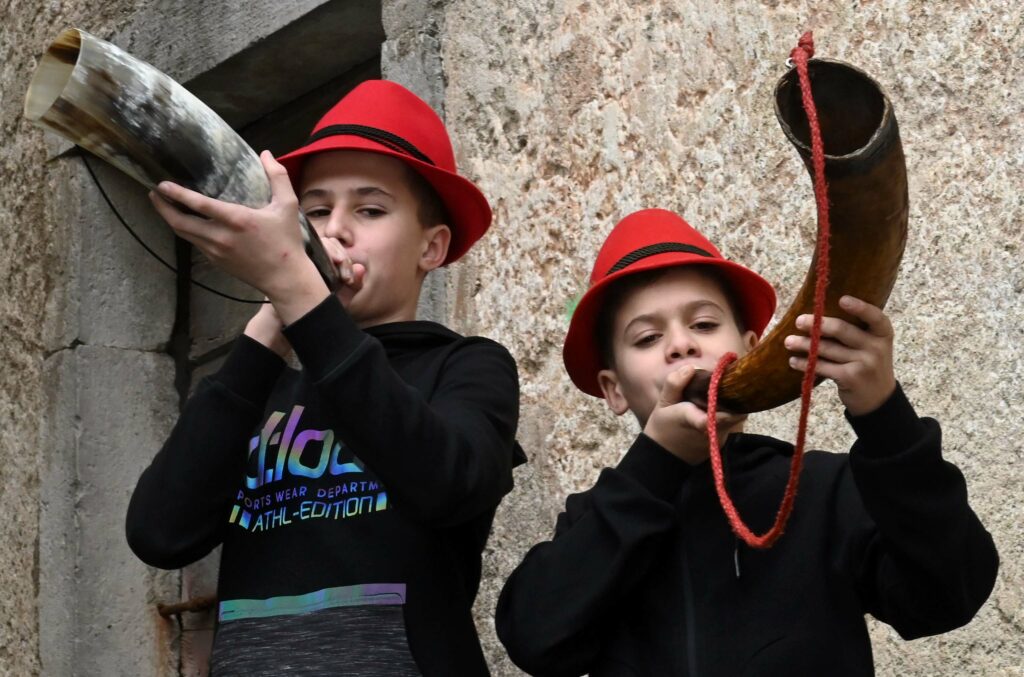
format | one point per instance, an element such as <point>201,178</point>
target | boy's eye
<point>317,212</point>
<point>706,325</point>
<point>646,340</point>
<point>372,212</point>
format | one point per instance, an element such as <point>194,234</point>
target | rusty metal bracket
<point>193,605</point>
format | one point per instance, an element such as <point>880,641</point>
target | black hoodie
<point>362,487</point>
<point>645,577</point>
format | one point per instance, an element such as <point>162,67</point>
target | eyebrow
<point>314,192</point>
<point>691,307</point>
<point>362,191</point>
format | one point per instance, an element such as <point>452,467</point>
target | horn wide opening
<point>851,107</point>
<point>53,73</point>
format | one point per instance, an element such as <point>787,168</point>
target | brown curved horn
<point>867,191</point>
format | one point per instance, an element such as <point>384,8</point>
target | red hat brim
<point>468,210</point>
<point>581,352</point>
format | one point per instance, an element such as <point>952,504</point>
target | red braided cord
<point>800,55</point>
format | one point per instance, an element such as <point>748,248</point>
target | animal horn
<point>867,193</point>
<point>138,119</point>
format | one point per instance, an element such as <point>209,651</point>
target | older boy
<point>353,499</point>
<point>644,576</point>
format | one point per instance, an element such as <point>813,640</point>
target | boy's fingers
<point>874,317</point>
<point>835,328</point>
<point>335,251</point>
<point>358,272</point>
<point>823,368</point>
<point>187,227</point>
<point>280,183</point>
<point>197,202</point>
<point>340,258</point>
<point>827,348</point>
<point>688,413</point>
<point>726,419</point>
<point>672,389</point>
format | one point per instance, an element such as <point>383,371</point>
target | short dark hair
<point>429,207</point>
<point>621,289</point>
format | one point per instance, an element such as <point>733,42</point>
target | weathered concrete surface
<point>571,114</point>
<point>107,409</point>
<point>126,407</point>
<point>123,296</point>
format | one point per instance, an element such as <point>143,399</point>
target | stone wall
<point>571,114</point>
<point>100,341</point>
<point>35,266</point>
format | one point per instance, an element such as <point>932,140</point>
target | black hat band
<point>383,137</point>
<point>654,249</point>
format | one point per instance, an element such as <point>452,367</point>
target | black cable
<point>152,253</point>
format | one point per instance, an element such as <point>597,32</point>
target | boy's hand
<point>265,327</point>
<point>681,427</point>
<point>858,360</point>
<point>262,247</point>
<point>351,274</point>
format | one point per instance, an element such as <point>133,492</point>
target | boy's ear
<point>435,247</point>
<point>750,340</point>
<point>609,382</point>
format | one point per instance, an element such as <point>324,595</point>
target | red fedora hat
<point>648,240</point>
<point>384,117</point>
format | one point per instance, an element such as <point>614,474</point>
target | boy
<point>644,576</point>
<point>353,499</point>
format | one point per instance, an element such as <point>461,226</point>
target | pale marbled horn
<point>867,193</point>
<point>138,119</point>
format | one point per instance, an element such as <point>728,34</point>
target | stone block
<point>194,39</point>
<point>414,60</point>
<point>401,16</point>
<point>123,295</point>
<point>274,53</point>
<point>58,532</point>
<point>126,408</point>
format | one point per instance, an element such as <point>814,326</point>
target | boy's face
<point>365,202</point>
<point>681,318</point>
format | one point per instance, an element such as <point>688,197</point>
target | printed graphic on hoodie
<point>297,474</point>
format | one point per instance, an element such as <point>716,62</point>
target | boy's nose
<point>680,346</point>
<point>339,228</point>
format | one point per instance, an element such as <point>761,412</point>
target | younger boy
<point>644,576</point>
<point>353,499</point>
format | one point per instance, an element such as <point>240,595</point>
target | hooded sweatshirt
<point>352,499</point>
<point>645,577</point>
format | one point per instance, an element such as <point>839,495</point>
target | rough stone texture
<point>571,114</point>
<point>35,262</point>
<point>412,56</point>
